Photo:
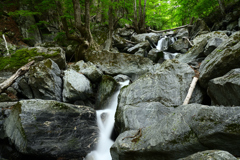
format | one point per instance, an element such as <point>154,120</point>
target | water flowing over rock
<point>119,63</point>
<point>75,86</point>
<point>224,58</point>
<point>52,129</point>
<point>225,90</point>
<point>169,81</point>
<point>189,129</point>
<point>211,155</point>
<point>107,87</point>
<point>44,80</point>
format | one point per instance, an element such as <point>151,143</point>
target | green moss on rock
<point>20,58</point>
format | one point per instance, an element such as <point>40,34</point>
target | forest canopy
<point>159,14</point>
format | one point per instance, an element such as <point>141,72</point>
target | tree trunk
<point>221,6</point>
<point>135,21</point>
<point>144,16</point>
<point>190,91</point>
<point>110,28</point>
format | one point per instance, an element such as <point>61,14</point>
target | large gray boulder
<point>189,129</point>
<point>45,81</point>
<point>212,44</point>
<point>193,53</point>
<point>225,90</point>
<point>170,82</point>
<point>142,37</point>
<point>88,69</point>
<point>154,54</point>
<point>224,58</point>
<point>52,129</point>
<point>214,34</point>
<point>210,155</point>
<point>57,54</point>
<point>119,63</point>
<point>180,45</point>
<point>167,84</point>
<point>120,42</point>
<point>136,47</point>
<point>140,115</point>
<point>75,86</point>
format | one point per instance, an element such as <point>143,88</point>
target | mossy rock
<point>23,56</point>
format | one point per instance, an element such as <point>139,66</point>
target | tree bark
<point>19,72</point>
<point>170,29</point>
<point>221,6</point>
<point>110,28</point>
<point>135,20</point>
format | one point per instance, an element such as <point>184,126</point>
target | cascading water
<point>106,127</point>
<point>5,44</point>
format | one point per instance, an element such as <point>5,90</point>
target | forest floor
<point>9,27</point>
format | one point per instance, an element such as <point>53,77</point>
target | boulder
<point>181,45</point>
<point>198,27</point>
<point>57,54</point>
<point>143,45</point>
<point>142,37</point>
<point>225,90</point>
<point>170,82</point>
<point>189,129</point>
<point>124,32</point>
<point>182,33</point>
<point>120,42</point>
<point>212,44</point>
<point>215,34</point>
<point>211,155</point>
<point>52,129</point>
<point>140,52</point>
<point>22,86</point>
<point>154,54</point>
<point>119,63</point>
<point>106,88</point>
<point>31,36</point>
<point>140,115</point>
<point>223,59</point>
<point>45,81</point>
<point>75,86</point>
<point>88,69</point>
<point>194,53</point>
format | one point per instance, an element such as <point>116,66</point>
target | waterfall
<point>168,55</point>
<point>105,126</point>
<point>5,44</point>
<point>163,44</point>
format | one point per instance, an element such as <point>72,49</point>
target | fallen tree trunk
<point>190,91</point>
<point>170,29</point>
<point>19,72</point>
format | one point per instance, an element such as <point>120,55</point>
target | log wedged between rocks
<point>19,72</point>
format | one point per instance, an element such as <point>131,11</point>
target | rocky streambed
<point>49,112</point>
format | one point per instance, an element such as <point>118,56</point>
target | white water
<point>104,144</point>
<point>168,55</point>
<point>162,44</point>
<point>5,44</point>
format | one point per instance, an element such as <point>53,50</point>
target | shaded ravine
<point>105,121</point>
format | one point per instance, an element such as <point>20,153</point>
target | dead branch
<point>190,91</point>
<point>170,29</point>
<point>188,40</point>
<point>19,72</point>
